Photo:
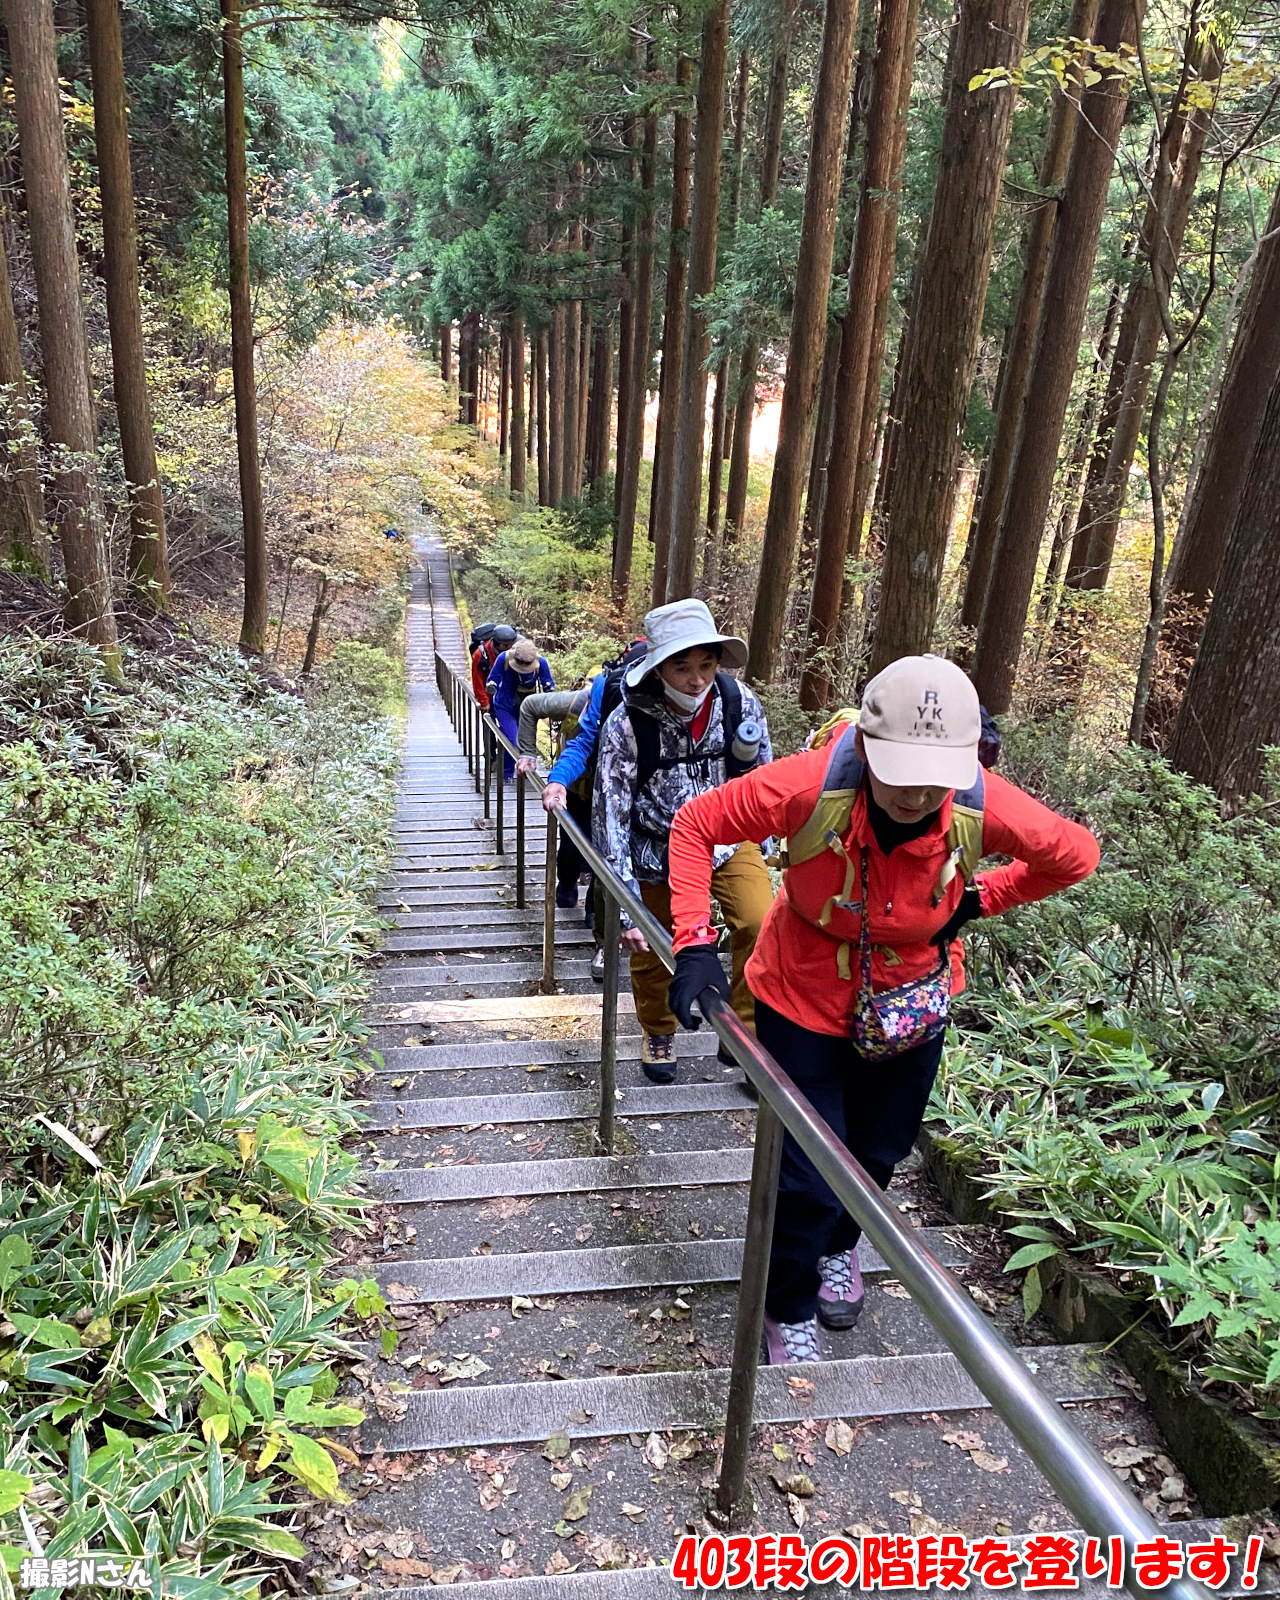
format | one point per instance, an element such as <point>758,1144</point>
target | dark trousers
<point>569,863</point>
<point>874,1108</point>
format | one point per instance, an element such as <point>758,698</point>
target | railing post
<point>466,729</point>
<point>487,742</point>
<point>549,910</point>
<point>502,791</point>
<point>609,1025</point>
<point>731,1490</point>
<point>477,734</point>
<point>521,791</point>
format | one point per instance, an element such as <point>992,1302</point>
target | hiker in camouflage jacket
<point>677,697</point>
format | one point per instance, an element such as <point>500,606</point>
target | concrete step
<point>562,1105</point>
<point>584,1173</point>
<point>532,1052</point>
<point>590,1408</point>
<point>596,1271</point>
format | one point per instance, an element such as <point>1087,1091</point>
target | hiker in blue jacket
<point>517,673</point>
<point>569,783</point>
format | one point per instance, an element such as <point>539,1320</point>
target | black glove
<point>969,910</point>
<point>697,968</point>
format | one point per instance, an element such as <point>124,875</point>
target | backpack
<point>614,686</point>
<point>829,819</point>
<point>481,635</point>
<point>649,738</point>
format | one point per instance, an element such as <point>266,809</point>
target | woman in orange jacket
<point>895,812</point>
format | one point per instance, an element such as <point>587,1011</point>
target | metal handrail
<point>1075,1470</point>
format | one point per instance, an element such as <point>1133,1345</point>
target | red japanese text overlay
<point>782,1561</point>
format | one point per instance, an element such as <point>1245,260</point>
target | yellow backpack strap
<point>835,803</point>
<point>964,837</point>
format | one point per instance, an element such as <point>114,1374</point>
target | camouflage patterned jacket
<point>630,828</point>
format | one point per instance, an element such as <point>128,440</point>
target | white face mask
<point>689,704</point>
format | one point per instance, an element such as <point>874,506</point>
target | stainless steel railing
<point>1082,1480</point>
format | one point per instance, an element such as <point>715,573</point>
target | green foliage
<point>535,569</point>
<point>182,930</point>
<point>1116,1066</point>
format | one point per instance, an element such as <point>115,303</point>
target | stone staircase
<point>546,1427</point>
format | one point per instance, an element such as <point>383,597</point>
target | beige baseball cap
<point>921,723</point>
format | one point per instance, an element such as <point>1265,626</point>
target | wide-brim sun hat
<point>684,625</point>
<point>523,655</point>
<point>921,723</point>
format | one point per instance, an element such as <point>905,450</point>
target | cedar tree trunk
<point>148,563</point>
<point>63,341</point>
<point>808,335</point>
<point>720,404</point>
<point>664,457</point>
<point>951,297</point>
<point>735,505</point>
<point>515,347</point>
<point>1075,244</point>
<point>691,423</point>
<point>24,538</point>
<point>544,444</point>
<point>1231,709</point>
<point>1035,254</point>
<point>631,450</point>
<point>874,240</point>
<point>1253,369</point>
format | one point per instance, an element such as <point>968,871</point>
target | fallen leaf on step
<point>607,1553</point>
<point>490,1498</point>
<point>923,1527</point>
<point>981,1298</point>
<point>908,1498</point>
<point>560,1481</point>
<point>508,1549</point>
<point>894,1289</point>
<point>781,1453</point>
<point>839,1437</point>
<point>560,1564</point>
<point>799,1483</point>
<point>577,1505</point>
<point>965,1440</point>
<point>584,1233</point>
<point>556,1447</point>
<point>800,1386</point>
<point>799,1511</point>
<point>1173,1489</point>
<point>447,1575</point>
<point>519,1305</point>
<point>460,1367</point>
<point>989,1462</point>
<point>656,1452</point>
<point>400,1543</point>
<point>685,1447</point>
<point>636,1513</point>
<point>1127,1455</point>
<point>406,1569</point>
<point>402,1291</point>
